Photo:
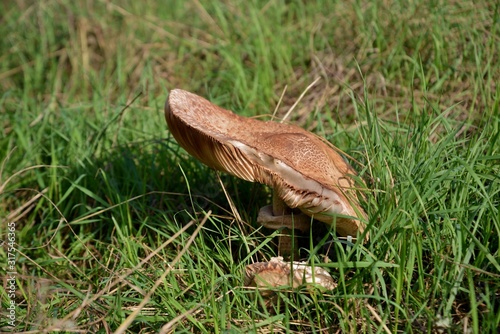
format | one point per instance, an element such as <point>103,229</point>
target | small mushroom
<point>269,277</point>
<point>276,273</point>
<point>309,178</point>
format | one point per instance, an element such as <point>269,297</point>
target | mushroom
<point>310,180</point>
<point>267,276</point>
<point>276,272</point>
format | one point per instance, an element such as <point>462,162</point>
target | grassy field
<point>117,229</point>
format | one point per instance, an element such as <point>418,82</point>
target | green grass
<point>118,229</point>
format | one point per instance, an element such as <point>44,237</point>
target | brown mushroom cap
<point>305,172</point>
<point>276,273</point>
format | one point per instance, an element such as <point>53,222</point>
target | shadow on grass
<point>140,186</point>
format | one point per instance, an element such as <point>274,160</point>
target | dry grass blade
<point>279,102</point>
<point>299,99</point>
<point>377,316</point>
<point>169,326</point>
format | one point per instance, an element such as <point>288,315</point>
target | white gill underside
<point>297,190</point>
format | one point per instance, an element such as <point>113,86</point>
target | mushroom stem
<point>280,216</point>
<point>287,242</point>
<point>279,206</point>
